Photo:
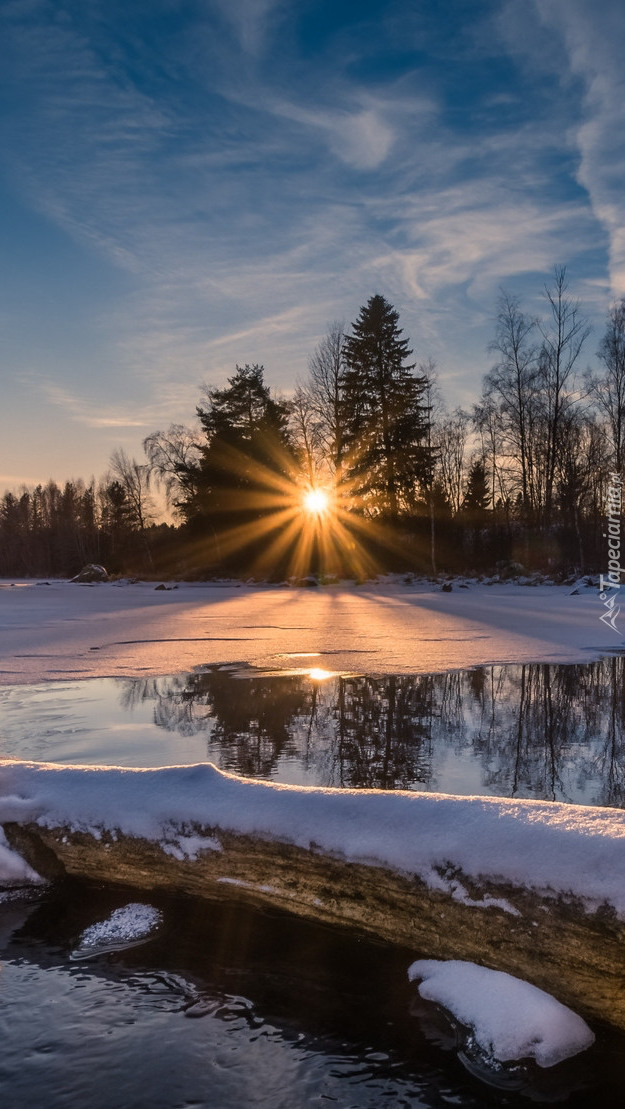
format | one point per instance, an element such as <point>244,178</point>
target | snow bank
<point>510,1019</point>
<point>548,847</point>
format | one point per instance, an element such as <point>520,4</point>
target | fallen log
<point>533,889</point>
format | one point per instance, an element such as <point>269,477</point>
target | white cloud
<point>251,20</point>
<point>362,139</point>
<point>85,411</point>
<point>594,37</point>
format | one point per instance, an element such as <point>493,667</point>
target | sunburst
<point>294,527</point>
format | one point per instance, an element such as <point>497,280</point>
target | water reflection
<point>534,730</point>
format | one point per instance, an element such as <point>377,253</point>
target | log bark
<point>551,942</point>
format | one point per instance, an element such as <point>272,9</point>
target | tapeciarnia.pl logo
<point>610,584</point>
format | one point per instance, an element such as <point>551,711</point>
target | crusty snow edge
<point>547,847</point>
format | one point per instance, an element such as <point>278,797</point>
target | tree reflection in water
<point>533,730</point>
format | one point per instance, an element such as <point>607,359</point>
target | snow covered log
<point>535,889</point>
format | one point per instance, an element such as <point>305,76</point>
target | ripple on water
<point>226,1006</point>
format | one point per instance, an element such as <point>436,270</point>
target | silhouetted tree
<point>450,441</point>
<point>608,390</point>
<point>307,432</point>
<point>477,498</point>
<point>563,336</point>
<point>324,389</point>
<point>511,388</point>
<point>247,469</point>
<point>384,415</point>
<point>134,478</point>
<point>173,458</point>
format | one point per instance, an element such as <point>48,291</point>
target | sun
<point>316,501</point>
<point>317,674</point>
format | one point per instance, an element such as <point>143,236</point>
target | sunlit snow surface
<point>553,848</point>
<point>510,1019</point>
<point>63,630</point>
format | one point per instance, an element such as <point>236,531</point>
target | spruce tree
<point>477,498</point>
<point>247,459</point>
<point>384,417</point>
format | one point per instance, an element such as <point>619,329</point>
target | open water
<point>228,1006</point>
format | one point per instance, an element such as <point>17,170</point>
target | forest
<point>362,469</point>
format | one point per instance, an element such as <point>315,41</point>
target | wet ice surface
<point>535,730</point>
<point>227,1006</point>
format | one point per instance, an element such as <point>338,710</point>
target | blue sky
<point>188,184</point>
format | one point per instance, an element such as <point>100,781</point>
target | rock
<point>508,569</point>
<point>90,573</point>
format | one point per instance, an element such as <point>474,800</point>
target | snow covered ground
<point>63,630</point>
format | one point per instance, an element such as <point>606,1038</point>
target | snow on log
<point>534,889</point>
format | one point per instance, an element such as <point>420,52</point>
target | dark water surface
<point>232,1006</point>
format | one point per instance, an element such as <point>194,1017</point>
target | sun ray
<point>267,516</point>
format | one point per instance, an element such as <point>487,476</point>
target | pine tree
<point>247,460</point>
<point>384,419</point>
<point>477,497</point>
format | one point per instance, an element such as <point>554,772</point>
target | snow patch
<point>250,885</point>
<point>436,880</point>
<point>13,870</point>
<point>190,847</point>
<point>510,1019</point>
<point>125,927</point>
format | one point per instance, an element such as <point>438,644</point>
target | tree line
<point>522,477</point>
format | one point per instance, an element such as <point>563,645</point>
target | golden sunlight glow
<point>319,675</point>
<point>316,501</point>
<point>296,529</point>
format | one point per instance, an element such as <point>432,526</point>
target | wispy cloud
<point>82,410</point>
<point>361,137</point>
<point>248,190</point>
<point>594,40</point>
<point>251,20</point>
<point>582,44</point>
